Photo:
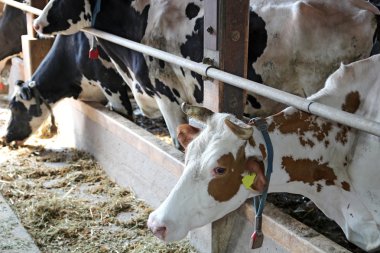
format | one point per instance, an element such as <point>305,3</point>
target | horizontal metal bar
<point>303,104</point>
<point>23,7</point>
<point>324,111</point>
<point>156,53</point>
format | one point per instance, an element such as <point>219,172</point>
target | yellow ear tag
<point>248,180</point>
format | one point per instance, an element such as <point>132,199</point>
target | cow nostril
<point>160,232</point>
<point>36,26</point>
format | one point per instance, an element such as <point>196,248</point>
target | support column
<point>226,47</point>
<point>34,49</point>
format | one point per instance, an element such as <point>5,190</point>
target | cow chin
<point>173,222</point>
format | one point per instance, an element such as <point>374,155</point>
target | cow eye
<point>219,171</point>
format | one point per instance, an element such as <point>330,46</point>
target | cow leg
<point>173,115</point>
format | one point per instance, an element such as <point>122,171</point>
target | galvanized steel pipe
<point>327,112</point>
<point>23,7</point>
<point>303,104</point>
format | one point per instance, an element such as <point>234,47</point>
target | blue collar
<point>95,12</point>
<point>259,201</point>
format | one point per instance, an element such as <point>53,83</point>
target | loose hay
<point>67,204</point>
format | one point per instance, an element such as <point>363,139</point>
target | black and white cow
<point>69,53</point>
<point>66,71</point>
<point>12,26</point>
<point>294,45</point>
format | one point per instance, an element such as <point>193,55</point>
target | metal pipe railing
<point>327,112</point>
<point>23,6</point>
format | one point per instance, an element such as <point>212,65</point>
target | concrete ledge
<point>135,158</point>
<point>13,236</point>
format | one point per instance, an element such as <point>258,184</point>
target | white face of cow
<point>64,16</point>
<point>26,118</point>
<point>211,185</point>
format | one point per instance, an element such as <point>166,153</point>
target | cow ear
<point>186,133</point>
<point>243,131</point>
<point>254,166</point>
<point>197,112</point>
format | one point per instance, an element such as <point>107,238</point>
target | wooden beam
<point>34,49</point>
<point>226,46</point>
<point>40,4</point>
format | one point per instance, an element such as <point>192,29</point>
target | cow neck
<point>39,98</point>
<point>259,201</point>
<point>300,160</point>
<point>120,18</point>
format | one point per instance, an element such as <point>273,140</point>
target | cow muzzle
<point>166,230</point>
<point>6,141</point>
<point>37,26</point>
<point>159,230</point>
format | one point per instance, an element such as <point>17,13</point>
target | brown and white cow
<point>335,166</point>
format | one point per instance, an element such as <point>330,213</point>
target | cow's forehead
<point>215,141</point>
<point>69,7</point>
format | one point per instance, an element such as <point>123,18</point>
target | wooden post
<point>226,46</point>
<point>34,49</point>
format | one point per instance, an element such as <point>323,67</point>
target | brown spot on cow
<point>296,122</point>
<point>263,151</point>
<point>346,186</point>
<point>308,171</point>
<point>252,142</point>
<point>304,142</point>
<point>300,123</point>
<point>224,187</point>
<point>342,134</point>
<point>352,102</point>
<point>327,143</point>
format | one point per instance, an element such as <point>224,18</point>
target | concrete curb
<point>13,236</point>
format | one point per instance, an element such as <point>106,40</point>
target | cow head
<point>211,184</point>
<point>26,114</point>
<point>64,16</point>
